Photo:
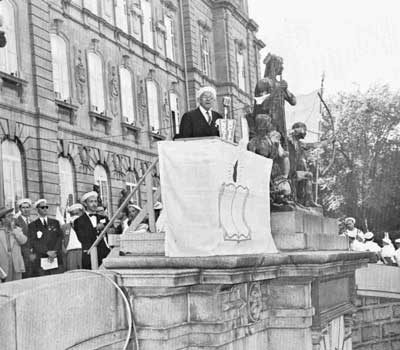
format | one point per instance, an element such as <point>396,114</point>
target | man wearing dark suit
<point>201,122</point>
<point>44,239</point>
<point>22,221</point>
<point>88,226</point>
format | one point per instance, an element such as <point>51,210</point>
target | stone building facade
<point>88,87</point>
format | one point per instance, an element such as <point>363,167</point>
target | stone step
<point>301,221</point>
<point>146,243</point>
<point>305,241</point>
<point>154,243</point>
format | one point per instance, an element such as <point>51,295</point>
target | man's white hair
<point>206,89</point>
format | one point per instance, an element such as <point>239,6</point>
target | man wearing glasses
<point>44,239</point>
<point>200,122</point>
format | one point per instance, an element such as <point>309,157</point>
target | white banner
<point>216,198</point>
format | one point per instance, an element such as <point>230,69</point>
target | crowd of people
<point>46,246</point>
<point>388,253</point>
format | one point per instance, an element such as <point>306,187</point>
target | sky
<point>356,43</point>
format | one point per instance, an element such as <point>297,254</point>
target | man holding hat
<point>88,226</point>
<point>45,239</point>
<point>11,238</point>
<point>200,122</point>
<point>72,245</point>
<point>22,221</point>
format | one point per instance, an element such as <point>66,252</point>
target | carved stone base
<point>272,301</point>
<point>292,230</point>
<point>306,229</point>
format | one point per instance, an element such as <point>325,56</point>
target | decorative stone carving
<point>254,301</point>
<point>117,163</point>
<point>166,124</point>
<point>12,129</point>
<point>85,159</point>
<point>80,78</point>
<point>14,82</point>
<point>114,91</point>
<point>65,4</point>
<point>142,98</point>
<point>204,25</point>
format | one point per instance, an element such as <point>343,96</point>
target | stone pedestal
<point>306,229</point>
<point>275,301</point>
<point>300,229</point>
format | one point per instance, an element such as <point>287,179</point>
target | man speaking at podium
<point>200,122</point>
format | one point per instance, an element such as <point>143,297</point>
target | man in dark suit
<point>88,226</point>
<point>22,221</point>
<point>44,240</point>
<point>201,122</point>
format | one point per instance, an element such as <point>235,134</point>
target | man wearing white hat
<point>22,221</point>
<point>73,247</point>
<point>351,230</point>
<point>45,241</point>
<point>356,241</point>
<point>88,226</point>
<point>388,252</point>
<point>200,122</point>
<point>370,245</point>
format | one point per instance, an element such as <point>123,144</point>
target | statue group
<point>291,178</point>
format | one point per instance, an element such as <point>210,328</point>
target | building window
<point>241,78</point>
<point>13,184</point>
<point>147,23</point>
<point>128,109</point>
<point>91,5</point>
<point>152,106</point>
<point>8,54</point>
<point>131,184</point>
<point>108,10</point>
<point>205,55</point>
<point>174,107</point>
<point>101,179</point>
<point>169,37</point>
<point>60,67</point>
<point>67,188</point>
<point>135,21</point>
<point>121,15</point>
<point>96,83</point>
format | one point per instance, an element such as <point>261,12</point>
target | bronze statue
<point>291,178</point>
<point>270,93</point>
<point>267,143</point>
<point>299,170</point>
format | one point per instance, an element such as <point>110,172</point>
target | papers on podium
<point>45,264</point>
<point>216,199</point>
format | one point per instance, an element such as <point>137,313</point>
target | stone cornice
<point>239,15</point>
<point>259,43</point>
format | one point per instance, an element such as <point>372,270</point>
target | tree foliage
<point>363,180</point>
